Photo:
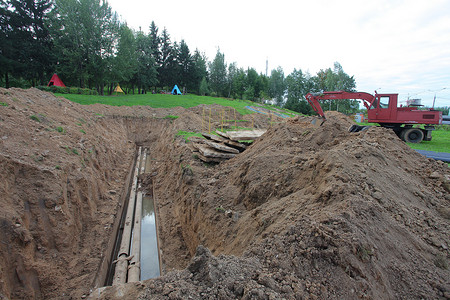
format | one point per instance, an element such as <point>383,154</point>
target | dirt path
<point>304,212</point>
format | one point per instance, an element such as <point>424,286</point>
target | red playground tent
<point>56,81</point>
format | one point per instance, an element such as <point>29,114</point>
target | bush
<point>68,90</point>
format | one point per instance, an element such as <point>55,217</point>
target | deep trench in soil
<point>142,247</point>
<point>305,212</point>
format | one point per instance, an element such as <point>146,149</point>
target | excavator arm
<point>314,99</point>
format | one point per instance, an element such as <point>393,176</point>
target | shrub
<point>68,90</point>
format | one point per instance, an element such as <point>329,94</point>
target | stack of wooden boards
<point>225,145</point>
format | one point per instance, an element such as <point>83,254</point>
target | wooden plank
<point>211,152</point>
<point>222,134</point>
<point>196,139</point>
<point>245,134</point>
<point>213,137</point>
<point>196,146</point>
<point>221,147</point>
<point>241,147</point>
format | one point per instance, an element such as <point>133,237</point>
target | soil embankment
<point>305,212</point>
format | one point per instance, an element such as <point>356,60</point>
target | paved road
<point>436,155</point>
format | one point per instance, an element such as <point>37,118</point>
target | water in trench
<point>149,244</point>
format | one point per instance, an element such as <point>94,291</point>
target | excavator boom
<point>314,99</point>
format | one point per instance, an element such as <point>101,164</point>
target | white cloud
<point>392,45</point>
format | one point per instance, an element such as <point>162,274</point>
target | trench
<point>136,254</point>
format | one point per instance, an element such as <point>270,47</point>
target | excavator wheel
<point>412,135</point>
<point>357,128</point>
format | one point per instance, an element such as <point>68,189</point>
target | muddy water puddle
<point>150,267</point>
<point>149,244</point>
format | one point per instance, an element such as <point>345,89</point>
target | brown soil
<point>305,212</point>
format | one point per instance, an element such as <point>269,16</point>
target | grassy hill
<point>440,142</point>
<point>159,100</point>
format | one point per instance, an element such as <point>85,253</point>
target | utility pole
<point>267,65</point>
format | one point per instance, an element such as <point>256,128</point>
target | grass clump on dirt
<point>71,150</point>
<point>171,117</point>
<point>35,118</point>
<point>3,104</point>
<point>188,134</point>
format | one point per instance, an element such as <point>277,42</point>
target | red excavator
<point>382,109</point>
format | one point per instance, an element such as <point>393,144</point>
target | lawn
<point>439,143</point>
<point>159,100</point>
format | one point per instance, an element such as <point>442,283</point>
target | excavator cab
<point>383,107</point>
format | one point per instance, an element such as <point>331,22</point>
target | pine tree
<point>25,48</point>
<point>155,42</point>
<point>218,74</point>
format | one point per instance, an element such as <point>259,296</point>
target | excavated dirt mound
<point>305,212</point>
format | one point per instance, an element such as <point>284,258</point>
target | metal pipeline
<point>134,270</point>
<point>120,275</point>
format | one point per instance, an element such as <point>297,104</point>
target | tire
<point>353,128</point>
<point>412,135</point>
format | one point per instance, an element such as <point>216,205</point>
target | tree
<point>277,85</point>
<point>232,73</point>
<point>297,85</point>
<point>199,70</point>
<point>85,32</point>
<point>155,43</point>
<point>336,80</point>
<point>25,41</point>
<point>146,75</point>
<point>218,74</point>
<point>125,64</point>
<point>168,55</point>
<point>7,50</point>
<point>254,85</point>
<point>186,65</point>
<point>239,84</point>
<point>204,89</point>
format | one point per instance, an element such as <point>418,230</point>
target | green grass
<point>439,143</point>
<point>159,100</point>
<point>171,117</point>
<point>188,134</point>
<point>35,118</point>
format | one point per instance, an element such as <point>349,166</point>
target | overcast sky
<point>391,46</point>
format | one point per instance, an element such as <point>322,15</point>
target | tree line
<point>87,45</point>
